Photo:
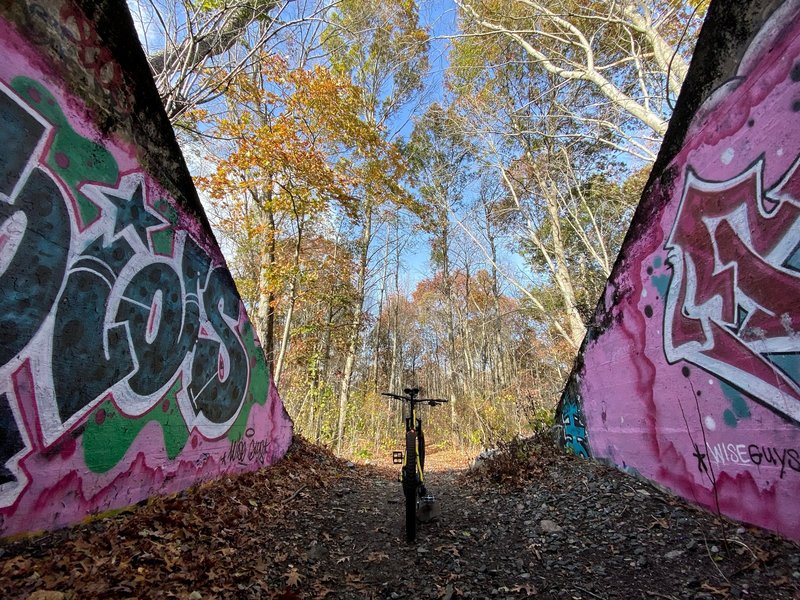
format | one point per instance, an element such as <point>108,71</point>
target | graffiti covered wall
<point>128,366</point>
<point>691,375</point>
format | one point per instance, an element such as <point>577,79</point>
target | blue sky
<point>439,17</point>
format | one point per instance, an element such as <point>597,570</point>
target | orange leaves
<point>298,135</point>
<point>292,132</point>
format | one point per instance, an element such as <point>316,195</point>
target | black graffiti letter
<point>30,283</point>
<point>178,318</point>
<point>219,397</point>
<point>82,369</point>
<point>152,305</point>
<point>31,280</point>
<point>21,134</point>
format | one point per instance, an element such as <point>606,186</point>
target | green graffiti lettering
<point>109,434</point>
<point>259,382</point>
<point>72,157</point>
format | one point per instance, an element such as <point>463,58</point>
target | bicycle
<point>412,474</point>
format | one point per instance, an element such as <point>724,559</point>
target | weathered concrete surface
<point>690,373</point>
<point>128,366</point>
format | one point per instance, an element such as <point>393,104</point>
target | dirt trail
<point>548,526</point>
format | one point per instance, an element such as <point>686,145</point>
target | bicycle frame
<point>419,441</point>
<point>412,473</point>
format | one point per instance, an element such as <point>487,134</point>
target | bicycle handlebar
<point>411,398</point>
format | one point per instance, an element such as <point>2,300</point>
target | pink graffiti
<point>733,300</point>
<point>47,480</point>
<point>689,383</point>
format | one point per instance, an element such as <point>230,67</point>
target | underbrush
<point>518,460</point>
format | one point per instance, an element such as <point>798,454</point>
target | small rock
<point>195,595</point>
<point>315,553</point>
<point>549,526</point>
<point>673,554</point>
<point>350,465</point>
<point>715,549</point>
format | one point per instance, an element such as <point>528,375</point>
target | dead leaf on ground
<point>292,577</point>
<point>377,556</point>
<point>46,595</point>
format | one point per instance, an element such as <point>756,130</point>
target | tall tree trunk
<point>561,272</point>
<point>355,325</point>
<point>453,379</point>
<point>379,325</point>
<point>266,300</point>
<point>323,368</point>
<point>394,372</point>
<point>293,290</point>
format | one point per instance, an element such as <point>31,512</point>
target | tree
<point>440,160</point>
<point>197,48</point>
<point>623,55</point>
<point>291,130</point>
<point>380,47</point>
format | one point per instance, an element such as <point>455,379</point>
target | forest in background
<point>421,193</point>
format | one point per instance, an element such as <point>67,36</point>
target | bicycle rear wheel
<point>410,485</point>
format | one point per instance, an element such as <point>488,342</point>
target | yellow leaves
<point>300,134</point>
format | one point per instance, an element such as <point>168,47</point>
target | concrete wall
<point>690,374</point>
<point>128,366</point>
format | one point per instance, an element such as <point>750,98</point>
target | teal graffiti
<point>661,283</point>
<point>738,410</point>
<point>789,363</point>
<point>574,436</point>
<point>88,357</point>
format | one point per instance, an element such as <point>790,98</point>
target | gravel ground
<point>532,522</point>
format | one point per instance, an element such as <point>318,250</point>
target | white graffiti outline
<point>15,226</point>
<point>775,395</point>
<point>129,402</point>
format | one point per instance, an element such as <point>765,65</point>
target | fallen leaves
<point>334,533</point>
<point>204,539</point>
